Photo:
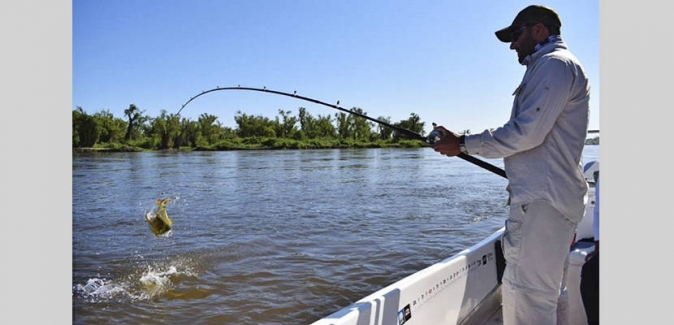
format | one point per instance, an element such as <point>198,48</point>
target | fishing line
<point>409,133</point>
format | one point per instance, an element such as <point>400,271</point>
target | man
<point>541,144</point>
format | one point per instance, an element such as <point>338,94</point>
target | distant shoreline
<point>89,149</point>
<point>135,149</point>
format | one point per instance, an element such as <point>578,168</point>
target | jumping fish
<point>159,221</point>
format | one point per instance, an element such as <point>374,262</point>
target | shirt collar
<point>549,40</point>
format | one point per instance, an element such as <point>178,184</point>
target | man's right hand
<point>448,144</point>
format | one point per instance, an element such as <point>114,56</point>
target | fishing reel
<point>434,136</point>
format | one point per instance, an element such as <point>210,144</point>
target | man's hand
<point>448,144</point>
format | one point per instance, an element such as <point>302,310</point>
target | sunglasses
<point>515,35</point>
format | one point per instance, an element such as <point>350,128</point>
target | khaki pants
<point>536,246</point>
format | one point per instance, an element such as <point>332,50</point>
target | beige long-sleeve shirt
<point>542,143</point>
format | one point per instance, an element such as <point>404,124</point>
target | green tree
<point>111,127</point>
<point>307,123</point>
<point>181,139</point>
<point>324,127</point>
<point>343,121</point>
<point>77,117</point>
<point>316,127</point>
<point>165,127</point>
<point>135,118</point>
<point>384,132</point>
<point>288,126</point>
<point>360,126</point>
<point>193,135</point>
<point>209,128</point>
<point>254,126</point>
<point>413,123</point>
<point>86,130</point>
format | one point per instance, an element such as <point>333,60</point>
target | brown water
<point>266,237</point>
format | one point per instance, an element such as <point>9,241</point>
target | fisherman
<point>541,145</point>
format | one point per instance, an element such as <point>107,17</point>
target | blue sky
<point>438,59</point>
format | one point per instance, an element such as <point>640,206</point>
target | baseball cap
<point>530,15</point>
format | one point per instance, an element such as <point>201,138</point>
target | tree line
<point>138,131</point>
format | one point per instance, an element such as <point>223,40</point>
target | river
<point>267,237</point>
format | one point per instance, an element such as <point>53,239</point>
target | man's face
<point>523,41</point>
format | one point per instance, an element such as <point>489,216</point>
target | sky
<point>437,59</point>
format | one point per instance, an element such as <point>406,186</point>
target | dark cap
<point>530,15</point>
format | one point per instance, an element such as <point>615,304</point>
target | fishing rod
<point>407,132</point>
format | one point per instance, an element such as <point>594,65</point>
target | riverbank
<point>402,144</point>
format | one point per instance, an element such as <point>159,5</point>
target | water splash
<point>97,289</point>
<point>156,281</point>
<point>146,285</point>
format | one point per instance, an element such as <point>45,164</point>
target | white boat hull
<point>459,290</point>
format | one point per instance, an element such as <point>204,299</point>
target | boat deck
<point>496,318</point>
<point>489,312</point>
<point>492,313</point>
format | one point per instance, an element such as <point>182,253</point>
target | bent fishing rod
<point>409,133</point>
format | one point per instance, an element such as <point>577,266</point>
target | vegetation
<point>138,132</point>
<point>593,141</point>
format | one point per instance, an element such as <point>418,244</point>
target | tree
<point>210,131</point>
<point>384,132</point>
<point>343,121</point>
<point>254,126</point>
<point>193,136</point>
<point>86,130</point>
<point>184,128</point>
<point>413,123</point>
<point>361,127</point>
<point>324,127</point>
<point>286,128</point>
<point>166,127</point>
<point>111,127</point>
<point>307,123</point>
<point>135,117</point>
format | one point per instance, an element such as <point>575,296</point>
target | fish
<point>159,221</point>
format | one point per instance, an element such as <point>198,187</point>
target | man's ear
<point>540,31</point>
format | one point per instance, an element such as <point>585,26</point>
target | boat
<point>464,289</point>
